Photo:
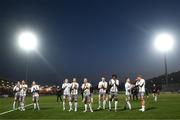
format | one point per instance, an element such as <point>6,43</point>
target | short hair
<point>139,75</point>
<point>114,75</point>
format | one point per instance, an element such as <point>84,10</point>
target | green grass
<point>167,107</point>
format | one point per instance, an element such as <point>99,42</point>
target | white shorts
<point>141,94</point>
<point>87,98</point>
<point>35,98</point>
<point>66,96</point>
<point>22,98</point>
<point>127,97</point>
<point>102,94</point>
<point>73,98</point>
<point>16,96</point>
<point>113,94</point>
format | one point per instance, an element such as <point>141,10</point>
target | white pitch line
<point>14,109</point>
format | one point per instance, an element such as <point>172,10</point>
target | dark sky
<point>87,38</point>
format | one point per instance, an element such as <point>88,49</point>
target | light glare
<point>27,41</point>
<point>164,42</point>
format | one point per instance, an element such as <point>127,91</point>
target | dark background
<point>87,38</point>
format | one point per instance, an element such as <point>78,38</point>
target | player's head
<point>114,76</point>
<point>103,79</point>
<point>154,85</point>
<point>58,87</point>
<point>18,83</point>
<point>33,83</point>
<point>74,79</point>
<point>139,77</point>
<point>128,80</point>
<point>85,80</point>
<point>66,81</point>
<point>23,82</point>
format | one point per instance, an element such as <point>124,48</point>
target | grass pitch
<point>167,107</point>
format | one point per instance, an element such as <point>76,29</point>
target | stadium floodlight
<point>27,41</point>
<point>164,42</point>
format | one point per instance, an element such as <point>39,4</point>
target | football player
<point>35,95</point>
<point>155,92</point>
<point>74,95</point>
<point>16,91</point>
<point>23,91</point>
<point>86,86</point>
<point>102,86</point>
<point>113,94</point>
<point>128,87</point>
<point>59,94</point>
<point>66,93</point>
<point>141,85</point>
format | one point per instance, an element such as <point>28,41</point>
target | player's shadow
<point>151,108</point>
<point>147,109</point>
<point>46,108</point>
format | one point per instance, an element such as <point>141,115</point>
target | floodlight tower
<point>28,42</point>
<point>164,43</point>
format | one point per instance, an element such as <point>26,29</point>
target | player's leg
<point>89,102</point>
<point>91,98</point>
<point>104,100</point>
<point>100,98</point>
<point>71,99</point>
<point>110,101</point>
<point>75,102</point>
<point>22,98</point>
<point>15,100</point>
<point>142,102</point>
<point>85,103</point>
<point>128,101</point>
<point>23,102</point>
<point>34,101</point>
<point>64,102</point>
<point>155,97</point>
<point>37,102</point>
<point>115,101</point>
<point>57,98</point>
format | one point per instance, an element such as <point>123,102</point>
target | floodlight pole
<point>166,72</point>
<point>27,66</point>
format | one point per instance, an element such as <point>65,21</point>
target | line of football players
<point>108,91</point>
<point>20,90</point>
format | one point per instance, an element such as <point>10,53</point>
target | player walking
<point>113,95</point>
<point>23,91</point>
<point>16,91</point>
<point>141,85</point>
<point>74,95</point>
<point>35,95</point>
<point>155,92</point>
<point>86,86</point>
<point>66,93</point>
<point>128,87</point>
<point>102,86</point>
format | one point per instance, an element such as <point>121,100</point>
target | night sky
<point>87,38</point>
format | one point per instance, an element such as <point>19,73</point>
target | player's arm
<point>99,86</point>
<point>117,82</point>
<point>82,87</point>
<point>63,86</point>
<point>32,89</point>
<point>77,86</point>
<point>141,83</point>
<point>37,89</point>
<point>14,88</point>
<point>105,85</point>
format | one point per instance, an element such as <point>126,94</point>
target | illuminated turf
<point>167,107</point>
